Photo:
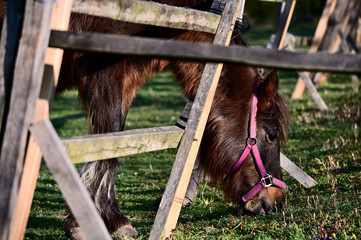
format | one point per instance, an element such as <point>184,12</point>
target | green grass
<point>325,145</point>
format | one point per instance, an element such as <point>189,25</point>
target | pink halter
<point>266,179</point>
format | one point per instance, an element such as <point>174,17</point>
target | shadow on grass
<point>43,228</point>
<point>59,122</point>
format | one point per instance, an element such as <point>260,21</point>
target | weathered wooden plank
<point>151,13</point>
<point>174,193</point>
<point>336,16</point>
<point>53,57</point>
<point>296,172</point>
<point>341,20</point>
<point>10,38</point>
<point>345,49</point>
<point>69,182</point>
<point>104,146</point>
<point>282,29</point>
<point>284,24</point>
<point>311,87</point>
<point>118,144</point>
<point>322,24</point>
<point>146,47</point>
<point>2,74</point>
<point>28,71</point>
<point>30,171</point>
<point>317,39</point>
<point>313,91</point>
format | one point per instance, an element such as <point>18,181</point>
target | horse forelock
<point>275,111</point>
<point>228,120</point>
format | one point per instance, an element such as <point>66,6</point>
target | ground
<point>325,145</point>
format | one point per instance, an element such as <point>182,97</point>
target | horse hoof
<point>77,234</point>
<point>126,230</point>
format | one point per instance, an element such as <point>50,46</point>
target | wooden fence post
<point>170,206</point>
<point>335,17</point>
<point>53,57</point>
<point>65,174</point>
<point>2,71</point>
<point>28,72</point>
<point>317,39</point>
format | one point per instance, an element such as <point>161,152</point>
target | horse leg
<point>99,178</point>
<point>103,99</point>
<point>108,94</point>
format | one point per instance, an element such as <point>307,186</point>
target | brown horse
<point>108,84</point>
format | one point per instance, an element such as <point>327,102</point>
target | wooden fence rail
<point>150,13</point>
<point>147,47</point>
<point>104,146</point>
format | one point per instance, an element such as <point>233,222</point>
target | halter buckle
<point>251,141</point>
<point>267,181</point>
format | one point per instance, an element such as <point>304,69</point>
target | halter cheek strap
<point>266,179</point>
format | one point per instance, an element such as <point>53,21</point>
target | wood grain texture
<point>173,196</point>
<point>2,75</point>
<point>67,177</point>
<point>28,72</point>
<point>150,13</point>
<point>297,173</point>
<point>335,17</point>
<point>311,87</point>
<point>345,49</point>
<point>316,41</point>
<point>313,91</point>
<point>30,171</point>
<point>147,47</point>
<point>53,57</point>
<point>119,144</point>
<point>284,24</point>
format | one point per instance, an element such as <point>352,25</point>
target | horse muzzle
<point>269,199</point>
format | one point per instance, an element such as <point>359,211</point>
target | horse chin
<point>253,207</point>
<point>260,206</point>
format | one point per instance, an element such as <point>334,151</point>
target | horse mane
<point>219,155</point>
<point>228,120</point>
<point>278,112</point>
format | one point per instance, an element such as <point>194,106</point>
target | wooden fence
<point>27,78</point>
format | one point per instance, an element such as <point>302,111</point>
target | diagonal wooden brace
<point>173,196</point>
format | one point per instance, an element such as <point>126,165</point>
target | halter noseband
<point>266,179</point>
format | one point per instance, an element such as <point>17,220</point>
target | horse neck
<point>228,120</point>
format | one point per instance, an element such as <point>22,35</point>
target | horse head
<point>241,144</point>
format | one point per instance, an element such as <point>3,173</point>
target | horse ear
<point>269,87</point>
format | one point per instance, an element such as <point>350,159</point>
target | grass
<point>325,145</point>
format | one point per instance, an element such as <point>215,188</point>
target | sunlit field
<point>326,145</point>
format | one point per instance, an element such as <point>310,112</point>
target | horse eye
<point>272,138</point>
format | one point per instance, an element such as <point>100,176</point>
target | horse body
<point>108,84</point>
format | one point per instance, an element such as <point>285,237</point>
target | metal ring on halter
<point>251,141</point>
<point>267,181</point>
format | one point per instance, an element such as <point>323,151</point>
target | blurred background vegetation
<point>267,12</point>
